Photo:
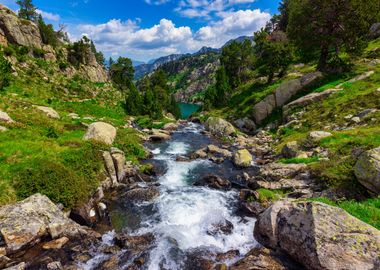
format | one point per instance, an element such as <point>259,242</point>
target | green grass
<point>299,160</point>
<point>367,211</point>
<point>266,195</point>
<point>49,156</point>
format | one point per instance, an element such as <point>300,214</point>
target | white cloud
<point>127,38</point>
<point>49,16</point>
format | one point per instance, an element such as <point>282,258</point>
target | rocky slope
<point>19,32</point>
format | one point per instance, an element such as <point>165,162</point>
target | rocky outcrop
<point>264,108</point>
<point>170,127</point>
<point>319,236</point>
<point>17,31</point>
<point>367,170</point>
<point>219,127</point>
<point>243,158</point>
<point>50,112</point>
<point>283,94</point>
<point>102,132</point>
<point>309,99</point>
<point>25,223</point>
<point>159,135</point>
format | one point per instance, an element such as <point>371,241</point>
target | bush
<point>128,141</point>
<point>70,179</point>
<point>5,70</point>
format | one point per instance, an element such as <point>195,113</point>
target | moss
<point>367,210</point>
<point>266,195</point>
<point>299,160</point>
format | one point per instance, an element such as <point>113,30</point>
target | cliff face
<point>16,31</point>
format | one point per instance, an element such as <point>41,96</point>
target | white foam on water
<point>177,148</point>
<point>156,151</point>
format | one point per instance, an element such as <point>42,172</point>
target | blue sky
<point>146,29</point>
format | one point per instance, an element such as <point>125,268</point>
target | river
<point>184,217</point>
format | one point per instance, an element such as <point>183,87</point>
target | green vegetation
<point>267,196</point>
<point>367,211</point>
<point>5,70</point>
<point>313,29</point>
<point>299,160</point>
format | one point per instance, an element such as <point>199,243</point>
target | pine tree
<point>222,88</point>
<point>27,10</point>
<point>133,102</point>
<point>326,27</point>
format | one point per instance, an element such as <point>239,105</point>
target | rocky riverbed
<point>195,208</point>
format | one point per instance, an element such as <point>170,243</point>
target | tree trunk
<point>323,58</point>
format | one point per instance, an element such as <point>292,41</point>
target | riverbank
<point>195,207</point>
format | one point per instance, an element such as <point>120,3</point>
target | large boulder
<point>14,30</point>
<point>219,127</point>
<point>50,112</point>
<point>25,223</point>
<point>246,125</point>
<point>4,117</point>
<point>264,108</point>
<point>102,132</point>
<point>243,158</point>
<point>367,170</point>
<point>286,90</point>
<point>319,236</point>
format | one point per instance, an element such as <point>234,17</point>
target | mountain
<point>152,65</point>
<point>239,40</point>
<point>136,63</point>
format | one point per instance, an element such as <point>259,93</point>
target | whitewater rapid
<point>185,213</point>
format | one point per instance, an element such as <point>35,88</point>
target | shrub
<point>5,70</point>
<point>70,179</point>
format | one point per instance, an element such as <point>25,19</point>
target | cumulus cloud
<point>127,38</point>
<point>49,16</point>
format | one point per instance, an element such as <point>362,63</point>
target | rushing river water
<point>182,217</point>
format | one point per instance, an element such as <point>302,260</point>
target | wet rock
<point>56,244</point>
<point>138,243</point>
<point>214,181</point>
<point>100,131</point>
<point>170,127</point>
<point>50,112</point>
<point>4,117</point>
<point>24,224</point>
<point>110,263</point>
<point>290,150</point>
<point>212,149</point>
<point>219,127</point>
<point>224,227</point>
<point>159,136</point>
<point>367,170</point>
<point>243,158</point>
<point>319,236</point>
<point>111,249</point>
<point>141,194</point>
<point>251,208</point>
<point>201,153</point>
<point>258,259</point>
<point>84,214</point>
<point>227,256</point>
<point>182,159</point>
<point>248,195</point>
